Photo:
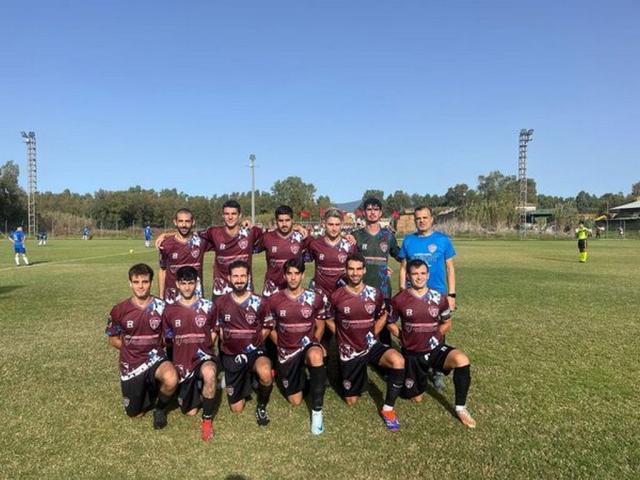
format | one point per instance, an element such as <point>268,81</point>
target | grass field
<point>554,346</point>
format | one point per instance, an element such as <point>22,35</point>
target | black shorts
<point>141,391</point>
<point>355,379</point>
<point>582,245</point>
<point>190,390</point>
<point>237,373</point>
<point>291,373</point>
<point>416,368</point>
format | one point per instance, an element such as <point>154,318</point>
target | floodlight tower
<point>252,166</point>
<point>30,140</point>
<point>525,137</point>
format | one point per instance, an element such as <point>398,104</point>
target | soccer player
<point>134,329</point>
<point>238,323</point>
<point>188,323</point>
<point>183,249</point>
<point>358,316</point>
<point>86,232</point>
<point>582,233</point>
<point>329,253</point>
<point>147,236</point>
<point>377,244</point>
<point>279,246</point>
<point>436,250</point>
<point>18,239</point>
<point>426,317</point>
<point>296,316</point>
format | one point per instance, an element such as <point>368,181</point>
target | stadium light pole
<point>30,140</point>
<point>252,166</point>
<point>526,135</point>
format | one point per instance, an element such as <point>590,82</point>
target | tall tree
<point>635,190</point>
<point>12,197</point>
<point>294,192</point>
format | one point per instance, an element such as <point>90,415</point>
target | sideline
<point>66,260</point>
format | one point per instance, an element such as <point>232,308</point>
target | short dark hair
<point>284,210</point>
<point>232,204</point>
<point>296,263</point>
<point>183,210</point>
<point>333,213</point>
<point>140,269</point>
<point>187,274</point>
<point>373,202</point>
<point>416,263</point>
<point>423,207</point>
<point>357,257</point>
<point>238,264</point>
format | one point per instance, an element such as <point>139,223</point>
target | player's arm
<point>162,236</point>
<point>444,327</point>
<point>331,325</point>
<point>394,329</point>
<point>162,275</point>
<point>451,282</point>
<point>402,280</point>
<point>319,329</point>
<point>265,333</point>
<point>273,335</point>
<point>115,341</point>
<point>380,323</point>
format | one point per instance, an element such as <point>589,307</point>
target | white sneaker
<point>317,423</point>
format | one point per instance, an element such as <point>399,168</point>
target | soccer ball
<point>131,250</point>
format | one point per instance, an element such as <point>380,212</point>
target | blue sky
<point>349,95</point>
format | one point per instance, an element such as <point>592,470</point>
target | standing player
<point>147,236</point>
<point>377,244</point>
<point>329,253</point>
<point>184,249</point>
<point>279,246</point>
<point>426,317</point>
<point>188,323</point>
<point>238,322</point>
<point>18,239</point>
<point>358,317</point>
<point>582,233</point>
<point>436,250</point>
<point>297,318</point>
<point>86,232</point>
<point>135,329</point>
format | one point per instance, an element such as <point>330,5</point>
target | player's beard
<point>354,284</point>
<point>184,232</point>
<point>239,289</point>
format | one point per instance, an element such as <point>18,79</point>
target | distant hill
<point>348,206</point>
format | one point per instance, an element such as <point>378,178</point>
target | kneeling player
<point>188,323</point>
<point>426,317</point>
<point>358,317</point>
<point>297,318</point>
<point>241,343</point>
<point>135,329</point>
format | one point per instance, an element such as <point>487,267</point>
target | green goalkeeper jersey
<point>376,250</point>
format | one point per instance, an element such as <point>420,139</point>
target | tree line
<point>490,205</point>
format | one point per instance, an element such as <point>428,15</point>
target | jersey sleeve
<point>321,306</point>
<point>380,307</point>
<point>402,252</point>
<point>445,309</point>
<point>215,317</point>
<point>265,314</point>
<point>450,252</point>
<point>114,328</point>
<point>257,234</point>
<point>167,330</point>
<point>394,314</point>
<point>307,252</point>
<point>162,259</point>
<point>394,248</point>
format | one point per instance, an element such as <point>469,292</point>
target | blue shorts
<point>19,249</point>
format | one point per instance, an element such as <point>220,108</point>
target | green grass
<point>553,343</point>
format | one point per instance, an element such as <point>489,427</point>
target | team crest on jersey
<point>384,246</point>
<point>154,322</point>
<point>195,253</point>
<point>244,243</point>
<point>370,308</point>
<point>432,248</point>
<point>342,257</point>
<point>295,248</point>
<point>201,320</point>
<point>409,382</point>
<point>285,383</point>
<point>346,384</point>
<point>433,310</point>
<point>306,312</point>
<point>174,255</point>
<point>126,401</point>
<point>230,391</point>
<point>250,317</point>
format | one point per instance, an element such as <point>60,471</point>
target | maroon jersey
<point>294,320</point>
<point>278,249</point>
<point>175,254</point>
<point>420,319</point>
<point>141,331</point>
<point>229,249</point>
<point>190,328</point>
<point>239,324</point>
<point>355,315</point>
<point>330,262</point>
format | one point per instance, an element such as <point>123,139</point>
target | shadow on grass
<point>440,398</point>
<point>550,259</point>
<point>9,288</point>
<point>236,476</point>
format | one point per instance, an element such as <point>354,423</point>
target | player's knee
<point>192,412</point>
<point>417,398</point>
<point>397,362</point>
<point>295,401</point>
<point>351,400</point>
<point>237,407</point>
<point>461,359</point>
<point>316,358</point>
